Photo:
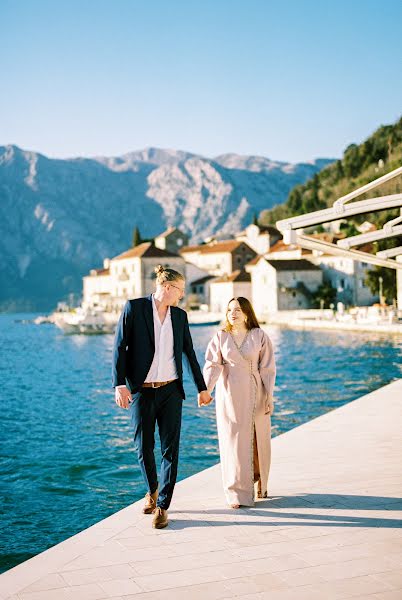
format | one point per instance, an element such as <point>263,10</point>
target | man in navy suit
<point>151,336</point>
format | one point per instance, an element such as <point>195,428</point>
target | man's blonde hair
<point>164,275</point>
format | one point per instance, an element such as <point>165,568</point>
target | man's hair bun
<point>165,274</point>
<point>159,269</point>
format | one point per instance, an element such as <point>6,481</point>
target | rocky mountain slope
<point>59,218</point>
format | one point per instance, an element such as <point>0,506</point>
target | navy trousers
<point>162,406</point>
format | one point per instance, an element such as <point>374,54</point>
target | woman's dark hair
<point>246,306</point>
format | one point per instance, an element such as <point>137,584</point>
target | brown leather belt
<point>157,384</point>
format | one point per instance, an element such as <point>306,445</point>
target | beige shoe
<point>160,519</point>
<point>150,503</point>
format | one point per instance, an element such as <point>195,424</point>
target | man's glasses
<point>182,291</point>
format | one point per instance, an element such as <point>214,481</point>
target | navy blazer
<point>134,345</point>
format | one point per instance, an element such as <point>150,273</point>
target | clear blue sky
<point>291,81</point>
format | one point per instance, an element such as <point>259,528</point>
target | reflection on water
<point>67,458</point>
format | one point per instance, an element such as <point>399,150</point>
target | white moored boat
<point>86,321</point>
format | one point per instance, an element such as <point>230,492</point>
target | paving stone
<point>331,529</point>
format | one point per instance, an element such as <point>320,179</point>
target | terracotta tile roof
<point>280,246</point>
<point>145,250</point>
<point>168,232</point>
<point>238,275</point>
<point>254,261</point>
<point>366,248</point>
<point>328,236</point>
<point>192,248</point>
<point>102,272</point>
<point>293,265</point>
<point>223,246</point>
<point>98,272</point>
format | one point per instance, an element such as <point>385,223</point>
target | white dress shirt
<point>163,367</point>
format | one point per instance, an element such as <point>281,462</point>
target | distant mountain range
<point>59,218</point>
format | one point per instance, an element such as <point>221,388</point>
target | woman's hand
<point>269,406</point>
<point>204,398</point>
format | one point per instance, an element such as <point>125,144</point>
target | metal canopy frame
<point>390,252</point>
<point>290,226</point>
<point>329,214</point>
<point>372,236</point>
<point>310,243</point>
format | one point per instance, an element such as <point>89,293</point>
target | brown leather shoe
<point>160,519</point>
<point>150,503</point>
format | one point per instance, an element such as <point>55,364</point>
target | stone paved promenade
<point>332,527</point>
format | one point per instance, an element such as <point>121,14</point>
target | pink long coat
<point>244,382</point>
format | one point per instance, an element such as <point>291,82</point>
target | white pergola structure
<point>391,252</point>
<point>293,228</point>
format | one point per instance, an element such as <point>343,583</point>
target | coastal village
<point>255,263</point>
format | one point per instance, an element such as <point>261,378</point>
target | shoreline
<point>308,324</point>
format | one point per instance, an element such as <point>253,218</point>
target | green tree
<point>349,228</point>
<point>387,285</point>
<point>339,173</point>
<point>295,200</point>
<point>136,237</point>
<point>352,161</point>
<point>324,294</point>
<point>358,166</point>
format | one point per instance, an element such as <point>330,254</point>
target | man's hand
<point>204,398</point>
<point>122,396</point>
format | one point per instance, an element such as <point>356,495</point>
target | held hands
<point>204,398</point>
<point>122,397</point>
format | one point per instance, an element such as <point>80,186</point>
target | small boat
<point>43,319</point>
<point>85,321</point>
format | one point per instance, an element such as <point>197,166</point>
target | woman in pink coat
<point>240,362</point>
